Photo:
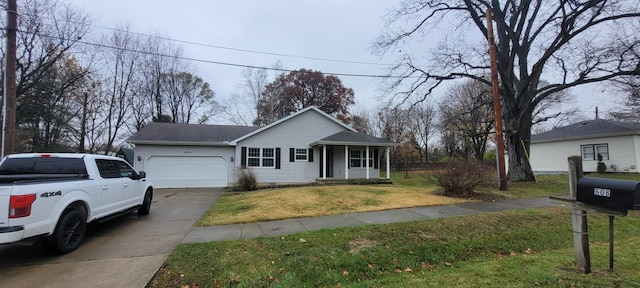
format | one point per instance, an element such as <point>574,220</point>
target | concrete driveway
<point>124,252</point>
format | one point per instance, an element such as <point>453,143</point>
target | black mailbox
<point>618,195</point>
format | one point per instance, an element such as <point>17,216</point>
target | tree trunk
<point>518,131</point>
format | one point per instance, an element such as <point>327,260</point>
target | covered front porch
<point>351,157</point>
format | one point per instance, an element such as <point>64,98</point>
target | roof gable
<point>292,116</point>
<point>587,129</point>
<point>188,134</point>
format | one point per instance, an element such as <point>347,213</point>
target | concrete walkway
<point>290,226</point>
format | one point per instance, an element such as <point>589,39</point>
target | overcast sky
<point>339,32</point>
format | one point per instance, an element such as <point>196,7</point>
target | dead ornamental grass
<point>285,203</point>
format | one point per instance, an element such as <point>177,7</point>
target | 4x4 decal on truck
<point>51,194</point>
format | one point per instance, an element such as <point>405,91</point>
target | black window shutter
<point>292,154</point>
<point>375,159</point>
<point>277,158</point>
<point>243,157</point>
<point>310,157</point>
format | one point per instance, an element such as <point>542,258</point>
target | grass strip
<point>525,248</point>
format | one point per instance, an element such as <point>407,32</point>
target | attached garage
<point>186,171</point>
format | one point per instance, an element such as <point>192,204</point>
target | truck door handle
<point>126,184</point>
<point>105,187</point>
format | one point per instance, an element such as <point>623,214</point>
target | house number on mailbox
<point>602,192</point>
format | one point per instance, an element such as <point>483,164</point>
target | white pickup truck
<point>56,195</point>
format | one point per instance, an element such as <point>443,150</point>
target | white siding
<point>298,132</point>
<point>552,156</point>
<point>146,152</point>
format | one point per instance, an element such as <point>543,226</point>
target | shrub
<point>461,177</point>
<point>246,180</point>
<point>601,168</point>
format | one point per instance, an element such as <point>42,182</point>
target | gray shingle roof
<point>188,134</point>
<point>587,129</point>
<point>354,138</point>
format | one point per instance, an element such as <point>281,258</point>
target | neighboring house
<point>617,142</point>
<point>300,148</point>
<point>126,154</point>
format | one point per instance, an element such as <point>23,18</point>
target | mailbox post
<point>579,218</point>
<point>610,196</point>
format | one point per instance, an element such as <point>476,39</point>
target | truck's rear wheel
<point>145,208</point>
<point>69,232</point>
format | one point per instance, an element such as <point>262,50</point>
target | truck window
<point>114,169</point>
<point>125,169</point>
<point>37,165</point>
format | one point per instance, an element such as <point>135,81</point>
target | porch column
<point>386,151</point>
<point>324,161</point>
<point>367,160</point>
<point>346,161</point>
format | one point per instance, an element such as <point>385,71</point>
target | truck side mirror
<point>142,175</point>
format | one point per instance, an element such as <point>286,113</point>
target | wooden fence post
<point>579,218</point>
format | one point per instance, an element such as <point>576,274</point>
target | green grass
<point>527,248</point>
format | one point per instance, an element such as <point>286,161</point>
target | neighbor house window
<point>302,154</point>
<point>261,157</point>
<point>591,151</point>
<point>357,158</point>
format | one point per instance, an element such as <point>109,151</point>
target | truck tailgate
<point>5,193</point>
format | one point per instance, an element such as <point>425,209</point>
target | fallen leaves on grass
<point>448,264</point>
<point>426,265</point>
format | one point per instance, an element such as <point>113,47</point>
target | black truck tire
<point>69,231</point>
<point>145,208</point>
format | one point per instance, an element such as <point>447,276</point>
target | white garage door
<point>191,171</point>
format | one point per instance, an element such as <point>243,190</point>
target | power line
<point>231,64</point>
<point>213,62</point>
<point>242,50</point>
<point>237,49</point>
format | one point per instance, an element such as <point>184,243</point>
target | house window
<point>261,157</point>
<point>591,151</point>
<point>253,157</point>
<point>268,157</point>
<point>357,158</point>
<point>301,154</point>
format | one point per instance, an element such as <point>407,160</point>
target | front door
<point>329,162</point>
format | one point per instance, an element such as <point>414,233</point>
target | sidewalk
<point>290,226</point>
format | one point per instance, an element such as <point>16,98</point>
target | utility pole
<point>9,103</point>
<point>497,108</point>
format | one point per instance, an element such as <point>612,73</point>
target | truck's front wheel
<point>69,231</point>
<point>145,208</point>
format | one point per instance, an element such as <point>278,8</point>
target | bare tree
<point>362,121</point>
<point>424,120</point>
<point>120,78</point>
<point>160,58</point>
<point>467,108</point>
<point>395,124</point>
<point>185,94</point>
<point>562,42</point>
<point>241,106</point>
<point>630,108</point>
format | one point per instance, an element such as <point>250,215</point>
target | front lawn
<point>526,248</point>
<point>420,189</point>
